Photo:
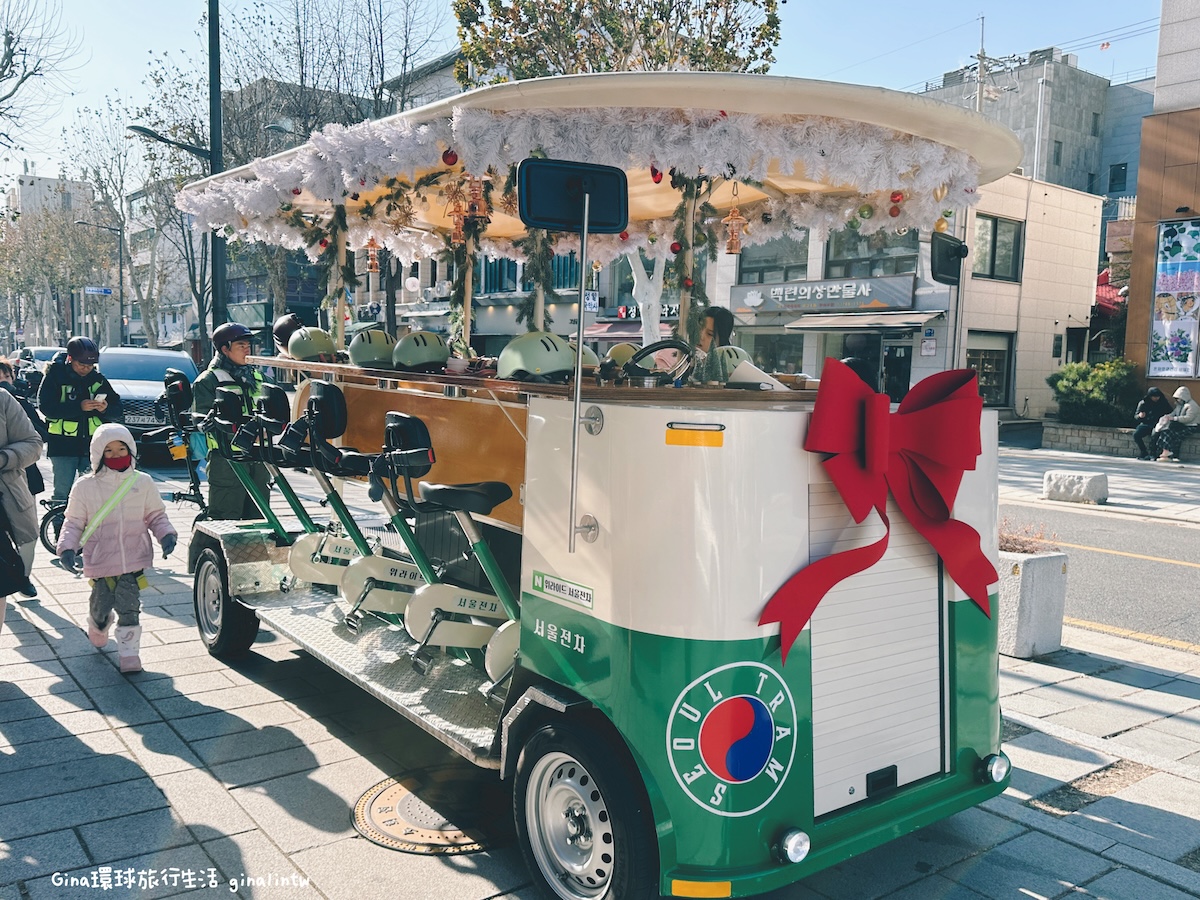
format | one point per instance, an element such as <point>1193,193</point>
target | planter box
<point>1033,596</point>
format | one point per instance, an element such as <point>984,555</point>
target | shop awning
<point>886,320</point>
<point>622,330</point>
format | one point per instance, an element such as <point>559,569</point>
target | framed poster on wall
<point>1175,319</point>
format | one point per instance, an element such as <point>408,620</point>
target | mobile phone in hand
<point>100,397</point>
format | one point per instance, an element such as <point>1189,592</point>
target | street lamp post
<point>119,231</point>
<point>213,154</point>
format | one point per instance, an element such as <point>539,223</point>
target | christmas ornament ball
<point>941,225</point>
<point>676,246</point>
<point>866,211</point>
<point>897,196</point>
<point>894,211</point>
<point>449,157</point>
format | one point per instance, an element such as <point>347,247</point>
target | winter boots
<point>129,640</point>
<point>99,636</point>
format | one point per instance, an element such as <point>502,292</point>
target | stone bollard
<point>1075,487</point>
<point>1033,597</point>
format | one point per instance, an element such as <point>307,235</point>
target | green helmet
<point>536,356</point>
<point>620,353</point>
<point>372,349</point>
<point>589,355</point>
<point>733,356</point>
<point>421,351</point>
<point>312,345</point>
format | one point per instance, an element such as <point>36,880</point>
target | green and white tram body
<point>881,718</point>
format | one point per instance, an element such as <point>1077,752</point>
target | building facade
<point>1162,332</point>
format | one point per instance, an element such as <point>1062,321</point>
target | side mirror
<point>946,254</point>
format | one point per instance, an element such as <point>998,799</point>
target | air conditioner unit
<point>427,294</point>
<point>443,289</point>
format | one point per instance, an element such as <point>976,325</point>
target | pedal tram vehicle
<point>718,639</point>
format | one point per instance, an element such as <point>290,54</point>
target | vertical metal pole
<point>216,161</point>
<point>121,284</point>
<point>583,232</point>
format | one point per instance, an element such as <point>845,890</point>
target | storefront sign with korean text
<point>832,295</point>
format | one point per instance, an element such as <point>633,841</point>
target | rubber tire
<point>616,781</point>
<point>46,530</point>
<point>227,628</point>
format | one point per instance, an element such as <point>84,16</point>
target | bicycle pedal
<point>422,661</point>
<point>353,621</point>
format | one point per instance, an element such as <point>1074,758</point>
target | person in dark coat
<point>1149,410</point>
<point>76,400</point>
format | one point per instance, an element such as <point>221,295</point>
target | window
<point>1118,175</point>
<point>1058,153</point>
<point>989,354</point>
<point>997,248</point>
<point>496,276</point>
<point>854,255</point>
<point>777,260</point>
<point>565,268</point>
<point>1091,188</point>
<point>1095,124</point>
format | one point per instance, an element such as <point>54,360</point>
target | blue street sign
<point>97,290</point>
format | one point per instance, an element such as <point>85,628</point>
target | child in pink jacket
<point>110,516</point>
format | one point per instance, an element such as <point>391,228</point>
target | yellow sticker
<point>688,434</point>
<point>701,888</point>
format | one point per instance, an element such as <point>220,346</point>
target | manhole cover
<point>436,810</point>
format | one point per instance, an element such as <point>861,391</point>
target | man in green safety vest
<point>75,400</point>
<point>227,499</point>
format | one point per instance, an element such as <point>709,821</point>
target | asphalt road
<point>1124,571</point>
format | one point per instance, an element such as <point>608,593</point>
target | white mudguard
<point>395,581</point>
<point>485,610</point>
<point>335,555</point>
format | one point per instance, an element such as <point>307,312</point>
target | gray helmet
<point>311,345</point>
<point>536,356</point>
<point>732,356</point>
<point>372,349</point>
<point>421,351</point>
<point>620,353</point>
<point>589,355</point>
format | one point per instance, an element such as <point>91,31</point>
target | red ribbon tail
<point>793,604</point>
<point>956,543</point>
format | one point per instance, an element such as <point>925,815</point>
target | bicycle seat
<point>326,412</point>
<point>480,497</point>
<point>410,454</point>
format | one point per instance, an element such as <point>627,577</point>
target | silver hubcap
<point>209,599</point>
<point>569,828</point>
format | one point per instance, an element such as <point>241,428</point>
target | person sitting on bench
<point>1182,421</point>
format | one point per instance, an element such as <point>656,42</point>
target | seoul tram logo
<point>731,738</point>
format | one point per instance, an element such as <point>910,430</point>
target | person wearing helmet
<point>283,329</point>
<point>372,349</point>
<point>421,351</point>
<point>716,331</point>
<point>536,356</point>
<point>76,400</point>
<point>230,367</point>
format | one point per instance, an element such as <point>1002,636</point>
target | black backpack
<point>12,568</point>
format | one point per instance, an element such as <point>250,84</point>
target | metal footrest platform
<point>446,702</point>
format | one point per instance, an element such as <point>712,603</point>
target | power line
<point>896,50</point>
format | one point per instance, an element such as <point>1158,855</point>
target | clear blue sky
<point>881,42</point>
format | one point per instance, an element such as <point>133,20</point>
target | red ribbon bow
<point>919,453</point>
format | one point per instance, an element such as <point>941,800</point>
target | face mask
<point>119,463</point>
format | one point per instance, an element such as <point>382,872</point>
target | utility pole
<point>982,71</point>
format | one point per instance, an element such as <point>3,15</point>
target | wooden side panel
<point>472,439</point>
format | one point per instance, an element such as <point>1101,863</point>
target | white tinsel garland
<point>867,161</point>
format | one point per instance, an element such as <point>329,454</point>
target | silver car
<point>136,374</point>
